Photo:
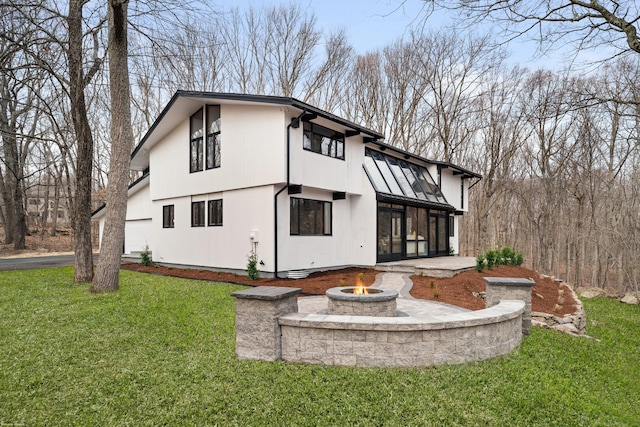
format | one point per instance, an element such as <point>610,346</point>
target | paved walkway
<point>407,305</point>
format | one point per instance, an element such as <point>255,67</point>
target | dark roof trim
<point>100,208</point>
<point>386,197</point>
<point>267,99</point>
<point>134,183</point>
<point>443,165</point>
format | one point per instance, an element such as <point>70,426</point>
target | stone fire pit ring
<point>378,302</point>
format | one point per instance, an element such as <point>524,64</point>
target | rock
<point>630,298</point>
<point>567,328</point>
<point>589,292</point>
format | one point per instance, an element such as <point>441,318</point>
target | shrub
<point>252,267</point>
<point>145,256</point>
<point>493,258</point>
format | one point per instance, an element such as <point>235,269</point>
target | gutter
<point>295,123</point>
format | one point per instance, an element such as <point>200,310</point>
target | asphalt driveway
<point>28,263</point>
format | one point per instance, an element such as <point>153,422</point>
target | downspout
<point>295,123</point>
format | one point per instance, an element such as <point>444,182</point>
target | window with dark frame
<point>310,217</point>
<point>451,226</point>
<point>197,214</point>
<point>462,193</point>
<point>213,137</point>
<point>215,212</point>
<point>322,140</point>
<point>168,216</point>
<point>196,155</point>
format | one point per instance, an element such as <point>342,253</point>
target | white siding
<point>227,246</point>
<point>319,171</point>
<point>252,154</point>
<point>137,236</point>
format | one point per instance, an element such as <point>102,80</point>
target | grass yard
<point>161,352</point>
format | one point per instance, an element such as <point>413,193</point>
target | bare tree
<point>106,279</point>
<point>583,23</point>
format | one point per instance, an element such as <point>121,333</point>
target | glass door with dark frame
<point>391,233</point>
<point>438,234</point>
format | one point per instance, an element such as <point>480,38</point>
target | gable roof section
<point>184,103</point>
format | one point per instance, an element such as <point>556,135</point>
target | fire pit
<point>361,301</point>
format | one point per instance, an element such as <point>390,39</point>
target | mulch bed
<point>462,290</point>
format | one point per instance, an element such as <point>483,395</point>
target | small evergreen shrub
<point>145,256</point>
<point>252,267</point>
<point>493,258</point>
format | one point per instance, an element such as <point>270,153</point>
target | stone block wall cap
<point>509,281</point>
<point>266,293</point>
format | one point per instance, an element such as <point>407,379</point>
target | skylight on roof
<point>392,176</point>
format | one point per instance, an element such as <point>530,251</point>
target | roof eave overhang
<point>385,197</point>
<point>171,117</point>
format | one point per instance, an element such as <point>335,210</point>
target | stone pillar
<point>258,334</point>
<point>503,288</point>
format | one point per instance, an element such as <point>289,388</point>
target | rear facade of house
<point>225,175</point>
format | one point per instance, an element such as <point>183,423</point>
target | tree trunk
<point>7,217</point>
<point>56,205</point>
<point>83,260</point>
<point>106,279</point>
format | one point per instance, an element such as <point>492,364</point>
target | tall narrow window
<point>197,214</point>
<point>215,212</point>
<point>213,136</point>
<point>461,193</point>
<point>167,216</point>
<point>310,217</point>
<point>196,155</point>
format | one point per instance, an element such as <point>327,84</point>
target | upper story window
<point>310,217</point>
<point>168,212</point>
<point>213,136</point>
<point>197,214</point>
<point>196,142</point>
<point>203,149</point>
<point>215,212</point>
<point>322,140</point>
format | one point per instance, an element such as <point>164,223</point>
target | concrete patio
<point>433,267</point>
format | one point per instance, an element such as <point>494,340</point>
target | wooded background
<point>558,150</point>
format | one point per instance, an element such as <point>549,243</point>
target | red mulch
<point>315,284</point>
<point>458,290</point>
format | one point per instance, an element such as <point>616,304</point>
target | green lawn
<point>160,351</point>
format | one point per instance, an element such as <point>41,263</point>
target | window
<point>451,226</point>
<point>167,216</point>
<point>323,141</point>
<point>213,136</point>
<point>215,212</point>
<point>462,193</point>
<point>195,146</point>
<point>197,214</point>
<point>310,217</point>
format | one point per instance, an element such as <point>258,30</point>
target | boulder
<point>589,292</point>
<point>630,298</point>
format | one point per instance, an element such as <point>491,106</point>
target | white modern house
<point>228,174</point>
